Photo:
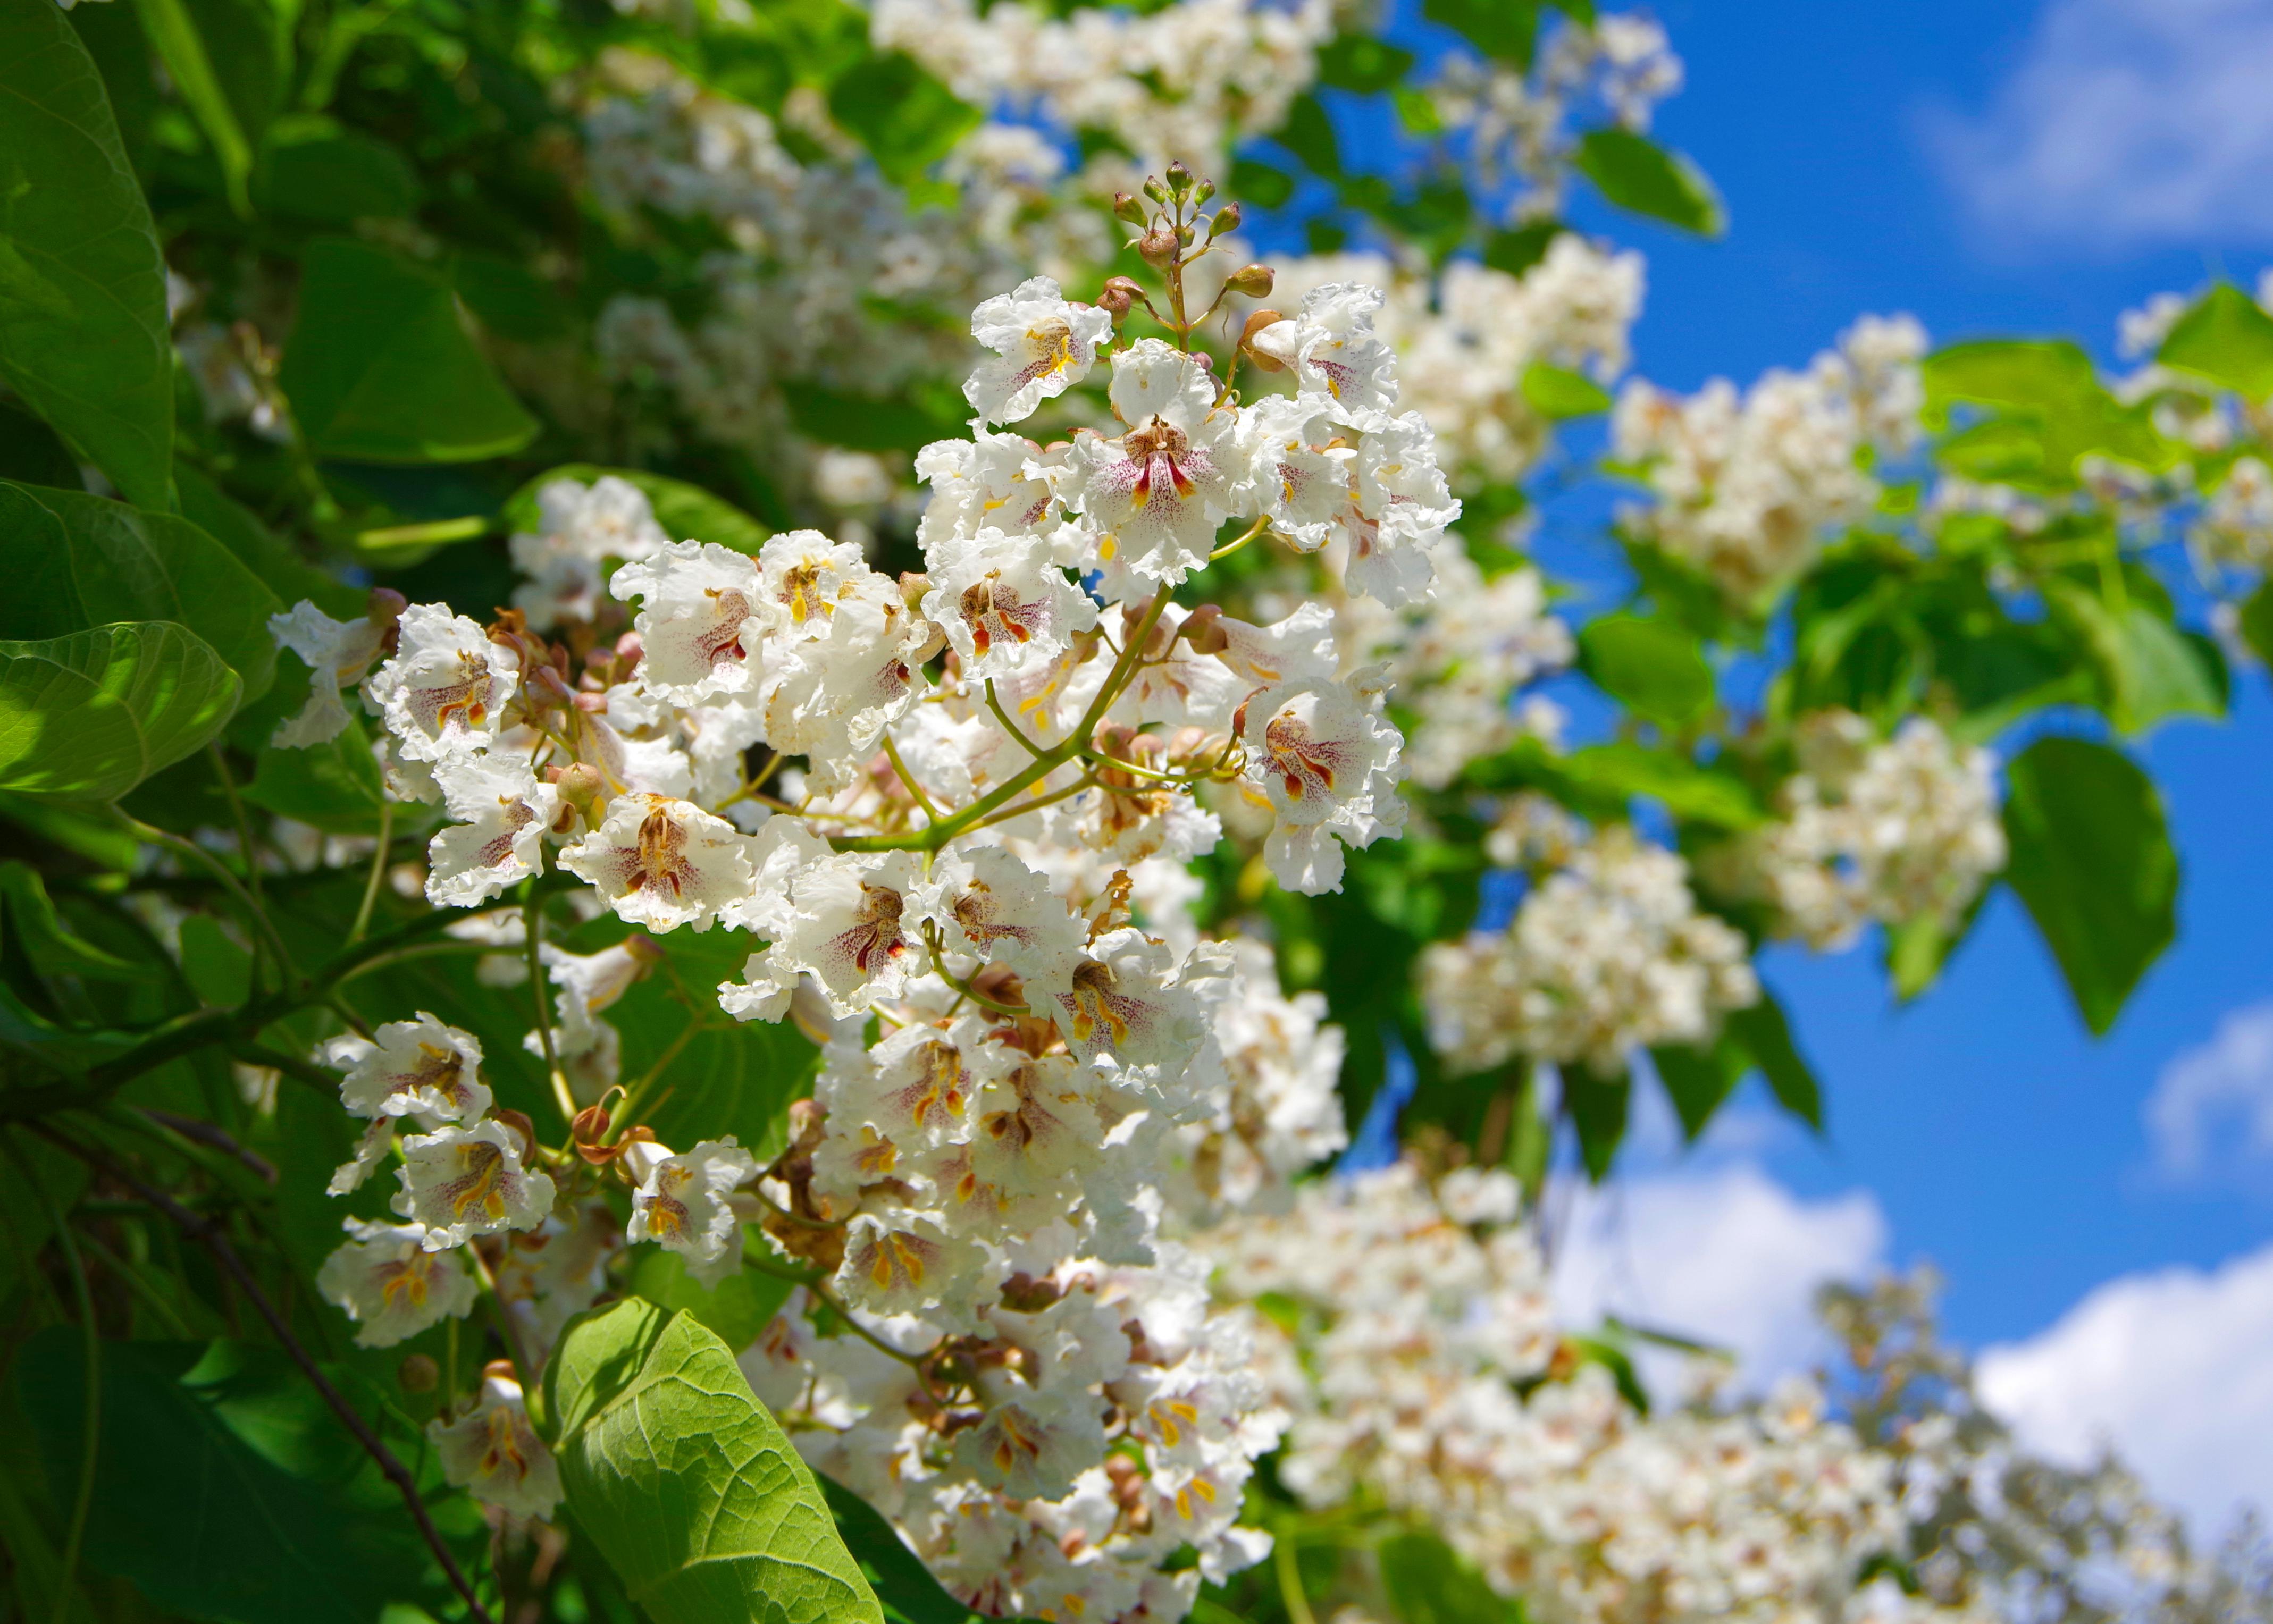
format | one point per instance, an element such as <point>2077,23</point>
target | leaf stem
<point>377,868</point>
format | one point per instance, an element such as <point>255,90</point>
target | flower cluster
<point>1412,1340</point>
<point>948,810</point>
<point>1607,953</point>
<point>1746,487</point>
<point>1892,830</point>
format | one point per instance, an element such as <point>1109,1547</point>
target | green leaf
<point>1654,667</point>
<point>51,944</point>
<point>1765,1036</point>
<point>335,786</point>
<point>84,336</point>
<point>1308,133</point>
<point>1700,1080</point>
<point>1637,175</point>
<point>1624,769</point>
<point>869,422</point>
<point>81,561</point>
<point>87,717</point>
<point>906,118</point>
<point>904,1586</point>
<point>1597,1105</point>
<point>685,1483</point>
<point>689,513</point>
<point>224,1487</point>
<point>217,969</point>
<point>1263,185</point>
<point>1504,29</point>
<point>173,31</point>
<point>512,301</point>
<point>2257,621</point>
<point>2092,861</point>
<point>2152,671</point>
<point>380,367</point>
<point>1361,63</point>
<point>1559,393</point>
<point>738,1307</point>
<point>2052,412</point>
<point>1429,1583</point>
<point>2225,338</point>
<point>334,177</point>
<point>1517,249</point>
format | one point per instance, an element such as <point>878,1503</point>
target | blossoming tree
<point>731,752</point>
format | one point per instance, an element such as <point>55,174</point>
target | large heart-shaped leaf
<point>88,717</point>
<point>80,561</point>
<point>83,330</point>
<point>687,1484</point>
<point>380,367</point>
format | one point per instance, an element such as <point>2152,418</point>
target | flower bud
<point>1226,219</point>
<point>419,1374</point>
<point>1126,207</point>
<point>1159,247</point>
<point>1254,281</point>
<point>1119,295</point>
<point>583,792</point>
<point>521,1128</point>
<point>1255,323</point>
<point>1205,189</point>
<point>1155,191</point>
<point>1180,178</point>
<point>1201,631</point>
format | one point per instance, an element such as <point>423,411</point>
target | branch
<point>203,1231</point>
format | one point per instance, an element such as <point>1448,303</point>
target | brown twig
<point>206,1133</point>
<point>207,1234</point>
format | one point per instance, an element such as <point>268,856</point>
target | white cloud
<point>1726,1255</point>
<point>2212,1108</point>
<point>2125,122</point>
<point>2173,1369</point>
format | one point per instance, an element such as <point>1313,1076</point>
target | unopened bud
<point>1255,323</point>
<point>1204,192</point>
<point>583,792</point>
<point>590,704</point>
<point>520,1126</point>
<point>419,1374</point>
<point>1202,631</point>
<point>1254,281</point>
<point>1119,296</point>
<point>913,584</point>
<point>1180,178</point>
<point>1226,219</point>
<point>1204,361</point>
<point>1126,207</point>
<point>387,605</point>
<point>1159,247</point>
<point>1155,191</point>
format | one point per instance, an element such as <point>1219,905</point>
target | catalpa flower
<point>1034,1449</point>
<point>336,653</point>
<point>580,528</point>
<point>1403,506</point>
<point>1334,353</point>
<point>444,692</point>
<point>1045,344</point>
<point>1125,1002</point>
<point>991,906</point>
<point>1158,493</point>
<point>661,863</point>
<point>460,1182</point>
<point>494,1454</point>
<point>1326,758</point>
<point>698,620</point>
<point>680,1202</point>
<point>805,574</point>
<point>839,691</point>
<point>1298,466</point>
<point>391,1286</point>
<point>850,926</point>
<point>1003,602</point>
<point>419,1068</point>
<point>991,481</point>
<point>500,840</point>
<point>906,1263</point>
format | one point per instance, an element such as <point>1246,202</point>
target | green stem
<point>254,912</point>
<point>377,868</point>
<point>91,1354</point>
<point>532,924</point>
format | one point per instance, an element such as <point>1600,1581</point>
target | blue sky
<point>2029,166</point>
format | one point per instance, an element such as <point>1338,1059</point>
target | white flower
<point>661,863</point>
<point>1126,1001</point>
<point>1334,353</point>
<point>991,906</point>
<point>493,1453</point>
<point>580,528</point>
<point>1403,507</point>
<point>1301,467</point>
<point>680,1202</point>
<point>1157,495</point>
<point>1045,344</point>
<point>391,1286</point>
<point>459,1181</point>
<point>906,1263</point>
<point>500,842</point>
<point>1003,602</point>
<point>1323,753</point>
<point>805,574</point>
<point>337,652</point>
<point>1033,1448</point>
<point>849,926</point>
<point>698,620</point>
<point>839,691</point>
<point>444,692</point>
<point>1002,482</point>
<point>419,1068</point>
